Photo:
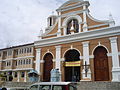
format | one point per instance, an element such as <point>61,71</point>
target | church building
<point>81,47</point>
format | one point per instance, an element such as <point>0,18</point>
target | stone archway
<point>48,66</point>
<point>72,65</point>
<point>101,68</point>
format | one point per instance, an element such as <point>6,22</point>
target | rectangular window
<point>4,54</point>
<point>22,50</point>
<point>9,52</point>
<point>19,62</point>
<point>15,63</point>
<point>24,61</point>
<point>16,52</point>
<point>25,50</point>
<point>30,49</point>
<point>29,61</point>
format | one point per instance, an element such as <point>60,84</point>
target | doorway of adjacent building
<point>72,73</point>
<point>48,66</point>
<point>101,68</point>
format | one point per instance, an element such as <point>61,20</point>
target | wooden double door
<point>101,67</point>
<point>48,66</point>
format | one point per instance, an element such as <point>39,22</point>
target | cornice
<point>17,69</point>
<point>74,13</point>
<point>80,4</point>
<point>98,33</point>
<point>17,58</point>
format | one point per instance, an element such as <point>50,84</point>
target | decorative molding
<point>74,13</point>
<point>109,54</point>
<point>95,34</point>
<point>20,69</point>
<point>50,35</point>
<point>57,46</point>
<point>91,56</point>
<point>99,25</point>
<point>81,57</point>
<point>79,4</point>
<point>18,58</point>
<point>105,21</point>
<point>42,61</point>
<point>85,44</point>
<point>24,57</point>
<point>113,39</point>
<point>99,44</point>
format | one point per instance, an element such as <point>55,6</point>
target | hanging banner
<point>72,64</point>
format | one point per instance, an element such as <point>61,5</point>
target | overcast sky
<point>21,20</point>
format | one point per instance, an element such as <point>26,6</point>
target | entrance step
<point>16,84</point>
<point>98,86</point>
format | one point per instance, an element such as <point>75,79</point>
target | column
<point>79,27</point>
<point>25,77</point>
<point>115,59</point>
<point>58,59</point>
<point>85,27</point>
<point>38,55</point>
<point>18,76</point>
<point>86,59</point>
<point>59,24</point>
<point>13,75</point>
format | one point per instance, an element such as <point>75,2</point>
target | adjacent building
<point>17,62</point>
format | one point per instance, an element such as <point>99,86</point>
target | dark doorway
<point>101,68</point>
<point>48,66</point>
<point>72,73</point>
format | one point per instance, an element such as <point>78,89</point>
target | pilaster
<point>25,77</point>
<point>86,59</point>
<point>18,74</point>
<point>115,59</point>
<point>38,55</point>
<point>58,57</point>
<point>59,24</point>
<point>85,26</point>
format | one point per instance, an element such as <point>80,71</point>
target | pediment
<point>69,3</point>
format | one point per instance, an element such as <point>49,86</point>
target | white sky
<point>21,20</point>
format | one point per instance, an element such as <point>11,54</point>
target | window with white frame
<point>29,61</point>
<point>9,52</point>
<point>8,63</point>
<point>24,61</point>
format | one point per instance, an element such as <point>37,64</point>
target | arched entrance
<point>72,65</point>
<point>101,68</point>
<point>48,66</point>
